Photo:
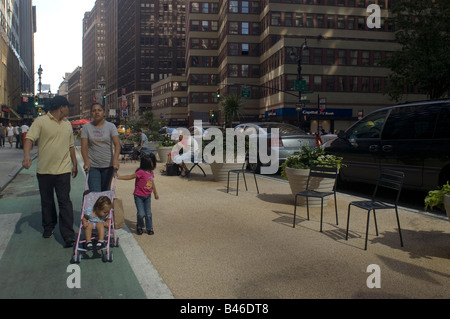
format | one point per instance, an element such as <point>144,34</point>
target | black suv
<point>411,137</point>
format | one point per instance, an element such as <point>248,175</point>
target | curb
<point>13,174</point>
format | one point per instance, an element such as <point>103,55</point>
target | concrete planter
<point>163,152</point>
<point>220,171</point>
<point>447,205</point>
<point>298,178</point>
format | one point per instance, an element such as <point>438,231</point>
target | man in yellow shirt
<point>56,151</point>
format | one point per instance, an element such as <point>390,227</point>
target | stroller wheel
<point>76,259</point>
<point>116,243</point>
<point>108,257</point>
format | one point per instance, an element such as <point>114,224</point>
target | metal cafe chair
<point>389,179</point>
<point>327,171</point>
<point>127,151</point>
<point>238,172</point>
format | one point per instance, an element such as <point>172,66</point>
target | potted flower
<point>166,144</point>
<point>439,198</point>
<point>296,170</point>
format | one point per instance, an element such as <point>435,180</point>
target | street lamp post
<point>300,79</point>
<point>40,70</point>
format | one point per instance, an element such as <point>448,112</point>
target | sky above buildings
<point>58,40</point>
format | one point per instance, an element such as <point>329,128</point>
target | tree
<point>424,58</point>
<point>232,106</point>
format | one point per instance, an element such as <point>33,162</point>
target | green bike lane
<point>34,267</point>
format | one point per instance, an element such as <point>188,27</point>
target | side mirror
<point>342,134</point>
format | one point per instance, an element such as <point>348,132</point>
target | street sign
<point>300,85</point>
<point>246,93</point>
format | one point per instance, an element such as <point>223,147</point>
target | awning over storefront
<point>332,113</point>
<point>10,113</point>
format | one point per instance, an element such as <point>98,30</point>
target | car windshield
<point>284,129</point>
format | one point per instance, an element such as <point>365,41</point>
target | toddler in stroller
<point>97,223</point>
<point>97,218</point>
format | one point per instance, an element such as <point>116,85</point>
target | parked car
<point>291,139</point>
<point>411,137</point>
<point>204,129</point>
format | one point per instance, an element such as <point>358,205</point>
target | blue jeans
<point>100,179</point>
<point>144,211</point>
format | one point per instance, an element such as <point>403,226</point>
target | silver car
<point>291,139</point>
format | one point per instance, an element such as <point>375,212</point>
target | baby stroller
<point>89,199</point>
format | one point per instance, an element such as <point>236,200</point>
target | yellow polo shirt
<point>55,140</point>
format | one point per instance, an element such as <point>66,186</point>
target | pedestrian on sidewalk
<point>2,135</point>
<point>55,153</point>
<point>100,148</point>
<point>10,133</point>
<point>144,187</point>
<point>18,136</point>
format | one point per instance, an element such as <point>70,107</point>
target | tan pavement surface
<point>212,244</point>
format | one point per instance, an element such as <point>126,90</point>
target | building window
<point>244,50</point>
<point>276,18</point>
<point>330,57</point>
<point>288,19</point>
<point>233,7</point>
<point>195,7</point>
<point>234,28</point>
<point>244,70</point>
<point>244,7</point>
<point>233,48</point>
<point>317,83</point>
<point>244,28</point>
<point>299,19</point>
<point>342,57</point>
<point>353,57</point>
<point>365,58</point>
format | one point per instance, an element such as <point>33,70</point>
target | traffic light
<point>218,93</point>
<point>210,113</point>
<point>36,101</point>
<point>40,111</point>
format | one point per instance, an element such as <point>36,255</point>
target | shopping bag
<point>119,214</point>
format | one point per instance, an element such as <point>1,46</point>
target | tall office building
<point>150,47</point>
<point>18,25</point>
<point>94,44</point>
<point>112,101</point>
<point>254,49</point>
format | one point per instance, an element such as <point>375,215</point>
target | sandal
<point>88,245</point>
<point>100,244</point>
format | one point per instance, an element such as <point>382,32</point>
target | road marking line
<point>8,223</point>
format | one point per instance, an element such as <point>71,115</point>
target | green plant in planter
<point>435,198</point>
<point>309,156</point>
<point>166,141</point>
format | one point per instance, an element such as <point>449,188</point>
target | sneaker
<point>150,232</point>
<point>47,233</point>
<point>139,230</point>
<point>69,242</point>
